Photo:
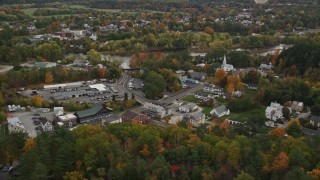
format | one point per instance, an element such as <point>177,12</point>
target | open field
<point>191,98</point>
<point>30,11</point>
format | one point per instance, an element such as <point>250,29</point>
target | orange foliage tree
<point>102,72</point>
<point>281,162</point>
<point>28,145</point>
<point>219,75</point>
<point>278,132</point>
<point>145,151</point>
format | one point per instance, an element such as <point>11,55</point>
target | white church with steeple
<point>226,67</point>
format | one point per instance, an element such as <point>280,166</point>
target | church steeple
<point>224,60</point>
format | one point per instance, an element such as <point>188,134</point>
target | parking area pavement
<point>80,94</point>
<point>27,122</point>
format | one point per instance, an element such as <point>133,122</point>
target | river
<point>125,59</point>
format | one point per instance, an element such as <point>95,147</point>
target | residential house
<point>135,118</point>
<point>58,111</point>
<point>315,120</point>
<point>46,125</point>
<point>220,111</point>
<point>195,119</point>
<point>15,125</point>
<point>93,115</point>
<point>297,106</point>
<point>237,94</point>
<point>188,107</point>
<point>80,63</point>
<point>199,76</point>
<point>111,119</point>
<point>68,120</point>
<point>42,65</point>
<point>266,66</point>
<point>181,72</point>
<point>274,111</point>
<point>155,109</point>
<point>190,72</point>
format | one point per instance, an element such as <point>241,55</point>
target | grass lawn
<point>191,98</point>
<point>245,116</point>
<point>29,11</point>
<point>206,110</point>
<point>250,93</point>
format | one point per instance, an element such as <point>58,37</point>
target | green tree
<point>286,113</point>
<point>94,57</point>
<point>294,128</point>
<point>244,176</point>
<point>154,85</point>
<point>50,51</point>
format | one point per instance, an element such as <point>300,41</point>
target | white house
<point>220,111</point>
<point>274,111</point>
<point>226,67</point>
<point>188,107</point>
<point>195,119</point>
<point>46,125</point>
<point>58,111</point>
<point>15,125</point>
<point>160,110</point>
<point>297,106</point>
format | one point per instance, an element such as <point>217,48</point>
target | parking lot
<point>27,121</point>
<point>83,93</point>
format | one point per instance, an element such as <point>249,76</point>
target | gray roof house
<point>188,107</point>
<point>93,115</point>
<point>112,119</point>
<point>315,120</point>
<point>220,111</point>
<point>195,119</point>
<point>199,75</point>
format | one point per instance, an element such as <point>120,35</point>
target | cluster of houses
<point>245,18</point>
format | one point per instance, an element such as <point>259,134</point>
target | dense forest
<point>302,56</point>
<point>129,151</point>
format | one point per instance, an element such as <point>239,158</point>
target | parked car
<point>5,168</point>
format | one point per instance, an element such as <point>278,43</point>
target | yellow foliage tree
<point>145,151</point>
<point>74,175</point>
<point>49,78</point>
<point>28,145</point>
<point>36,101</point>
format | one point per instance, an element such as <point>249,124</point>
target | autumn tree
<point>49,78</point>
<point>220,74</point>
<point>244,176</point>
<point>294,128</point>
<point>278,132</point>
<point>29,144</point>
<point>36,101</point>
<point>281,162</point>
<point>102,72</point>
